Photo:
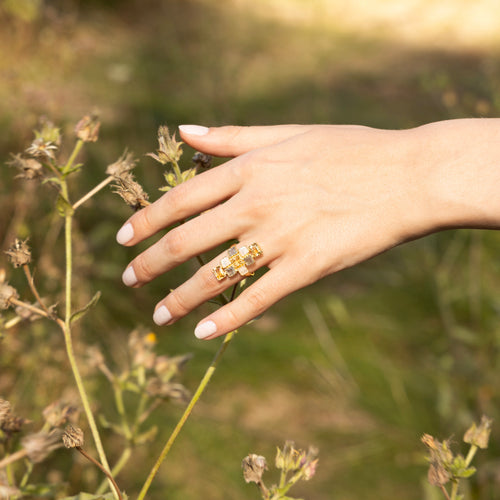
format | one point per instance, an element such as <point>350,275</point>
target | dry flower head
<point>19,253</point>
<point>169,150</point>
<point>253,467</point>
<point>87,129</point>
<point>73,437</point>
<point>38,446</point>
<point>131,191</point>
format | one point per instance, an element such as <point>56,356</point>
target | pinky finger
<point>253,301</point>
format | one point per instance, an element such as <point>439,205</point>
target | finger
<point>201,287</point>
<point>184,242</point>
<point>200,193</point>
<point>253,301</point>
<point>234,141</point>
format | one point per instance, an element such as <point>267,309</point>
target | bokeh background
<point>359,365</point>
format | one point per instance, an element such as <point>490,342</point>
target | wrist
<point>459,169</point>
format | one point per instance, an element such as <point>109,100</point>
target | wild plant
<point>446,467</point>
<point>145,380</point>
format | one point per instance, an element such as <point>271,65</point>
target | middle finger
<point>191,238</point>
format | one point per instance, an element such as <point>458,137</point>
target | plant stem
<point>93,191</point>
<point>31,283</point>
<point>13,458</point>
<point>122,461</point>
<point>445,493</point>
<point>109,476</point>
<point>31,308</point>
<point>66,325</point>
<point>470,455</point>
<point>187,412</point>
<point>72,158</point>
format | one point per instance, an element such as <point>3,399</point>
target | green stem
<point>180,424</point>
<point>454,492</point>
<point>177,171</point>
<point>120,406</point>
<point>472,451</point>
<point>72,158</point>
<point>66,325</point>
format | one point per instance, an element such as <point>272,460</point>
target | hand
<point>317,199</point>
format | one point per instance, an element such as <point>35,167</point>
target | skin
<point>317,199</point>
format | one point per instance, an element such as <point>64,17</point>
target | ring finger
<point>204,285</point>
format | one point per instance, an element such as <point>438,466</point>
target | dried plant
<point>149,377</point>
<point>447,467</point>
<point>294,465</point>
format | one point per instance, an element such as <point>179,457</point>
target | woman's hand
<point>317,199</point>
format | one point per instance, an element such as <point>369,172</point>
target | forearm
<point>460,163</point>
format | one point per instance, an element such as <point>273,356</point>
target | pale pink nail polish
<point>193,129</point>
<point>204,330</point>
<point>129,277</point>
<point>162,316</point>
<point>125,234</point>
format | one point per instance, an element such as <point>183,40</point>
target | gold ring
<point>237,261</point>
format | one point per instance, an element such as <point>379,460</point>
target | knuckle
<point>177,304</point>
<point>176,195</point>
<point>256,298</point>
<point>174,244</point>
<point>207,281</point>
<point>142,269</point>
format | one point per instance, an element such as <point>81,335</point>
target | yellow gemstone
<point>219,273</point>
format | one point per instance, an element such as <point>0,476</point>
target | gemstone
<point>248,259</point>
<point>232,251</point>
<point>225,262</point>
<point>219,273</point>
<point>230,271</point>
<point>243,270</point>
<point>243,251</point>
<point>255,250</point>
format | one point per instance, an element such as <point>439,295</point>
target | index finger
<point>200,193</point>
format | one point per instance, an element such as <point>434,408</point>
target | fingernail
<point>125,234</point>
<point>204,330</point>
<point>193,129</point>
<point>162,316</point>
<point>129,277</point>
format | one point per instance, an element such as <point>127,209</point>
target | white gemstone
<point>243,251</point>
<point>232,251</point>
<point>230,271</point>
<point>248,260</point>
<point>243,270</point>
<point>225,262</point>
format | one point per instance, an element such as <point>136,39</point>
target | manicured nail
<point>193,129</point>
<point>204,330</point>
<point>162,316</point>
<point>125,234</point>
<point>129,277</point>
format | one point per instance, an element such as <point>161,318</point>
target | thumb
<point>233,140</point>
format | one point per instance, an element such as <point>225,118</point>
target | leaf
<point>465,473</point>
<point>188,174</point>
<point>147,436</point>
<point>63,206</point>
<point>82,312</point>
<point>74,168</point>
<point>42,490</point>
<point>170,178</point>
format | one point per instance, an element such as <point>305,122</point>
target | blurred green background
<point>359,365</point>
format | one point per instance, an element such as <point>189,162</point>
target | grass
<point>146,63</point>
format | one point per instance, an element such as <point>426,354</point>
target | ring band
<point>237,261</point>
